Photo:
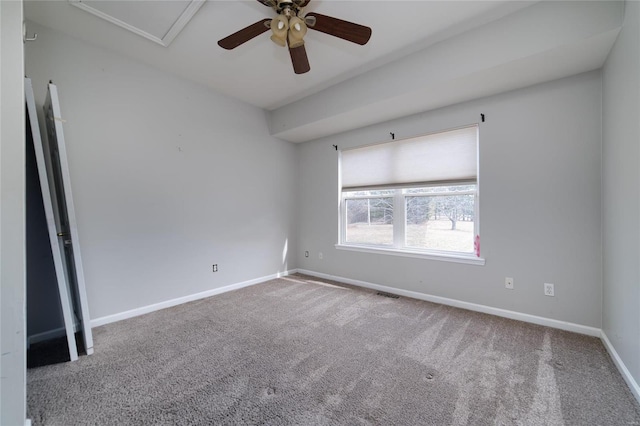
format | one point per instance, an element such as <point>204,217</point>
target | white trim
<point>77,265</point>
<point>27,422</point>
<point>399,219</point>
<point>180,300</point>
<point>182,21</point>
<point>166,40</point>
<point>626,374</point>
<point>444,257</point>
<point>533,319</point>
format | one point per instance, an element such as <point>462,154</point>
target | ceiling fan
<point>289,28</point>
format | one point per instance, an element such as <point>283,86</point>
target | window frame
<point>399,246</point>
<point>343,219</point>
<point>476,222</point>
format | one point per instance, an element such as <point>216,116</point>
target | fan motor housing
<point>282,4</point>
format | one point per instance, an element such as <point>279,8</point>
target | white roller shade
<point>450,156</point>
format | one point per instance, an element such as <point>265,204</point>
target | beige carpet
<point>299,351</point>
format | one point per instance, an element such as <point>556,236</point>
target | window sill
<point>444,257</point>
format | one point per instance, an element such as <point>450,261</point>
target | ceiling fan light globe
<point>278,40</point>
<point>279,29</point>
<point>297,31</point>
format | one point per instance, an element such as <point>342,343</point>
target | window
<point>417,196</point>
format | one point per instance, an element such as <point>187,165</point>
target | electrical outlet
<point>306,253</point>
<point>215,268</point>
<point>508,283</point>
<point>320,255</point>
<point>549,289</point>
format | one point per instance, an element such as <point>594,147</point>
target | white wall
<point>12,211</point>
<point>168,178</point>
<point>621,193</point>
<point>540,153</point>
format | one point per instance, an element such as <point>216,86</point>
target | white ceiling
<point>155,17</point>
<point>259,72</point>
<point>422,54</point>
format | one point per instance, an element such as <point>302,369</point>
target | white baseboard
<point>180,300</point>
<point>562,325</point>
<point>626,374</point>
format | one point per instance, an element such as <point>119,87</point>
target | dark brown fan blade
<point>244,35</point>
<point>299,60</point>
<point>342,29</point>
<point>268,3</point>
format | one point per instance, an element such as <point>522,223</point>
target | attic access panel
<point>159,21</point>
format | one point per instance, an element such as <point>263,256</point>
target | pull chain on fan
<point>289,28</point>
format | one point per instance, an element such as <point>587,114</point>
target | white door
<point>63,287</point>
<point>64,214</point>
